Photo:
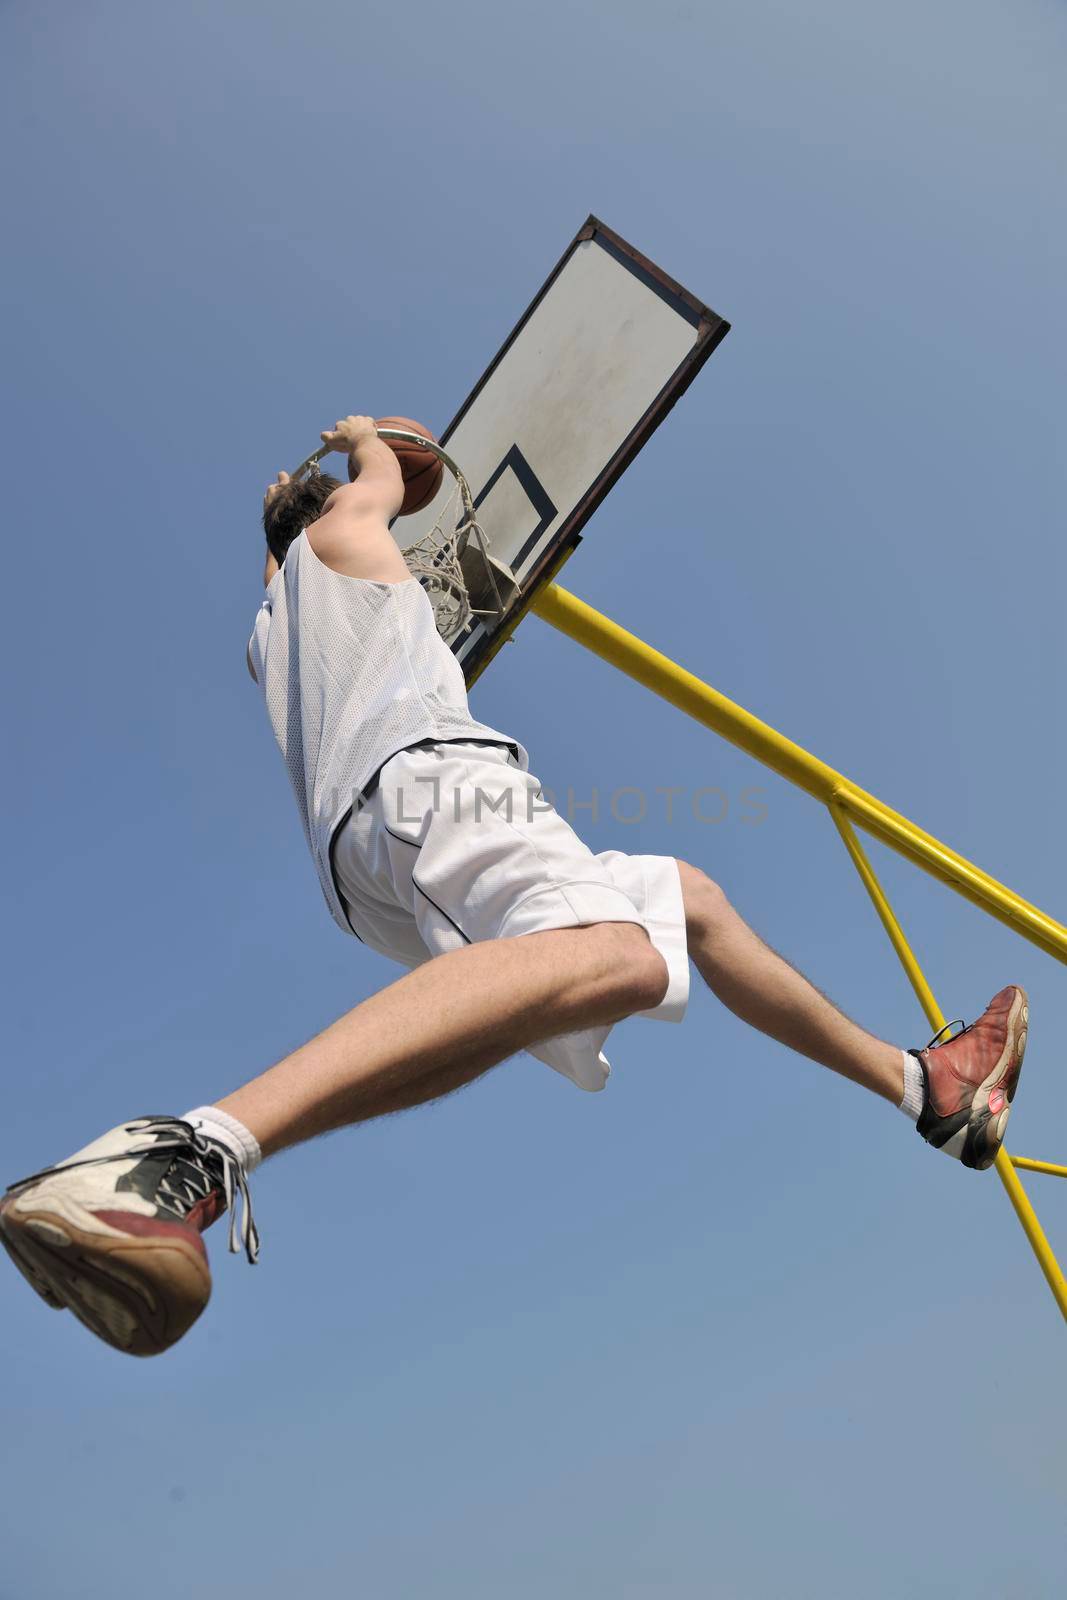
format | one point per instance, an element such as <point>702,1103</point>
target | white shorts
<point>456,844</point>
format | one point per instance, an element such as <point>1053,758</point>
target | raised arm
<point>376,483</point>
<point>352,534</point>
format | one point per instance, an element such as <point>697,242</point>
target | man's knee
<point>704,901</point>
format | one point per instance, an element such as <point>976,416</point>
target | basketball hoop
<point>452,560</point>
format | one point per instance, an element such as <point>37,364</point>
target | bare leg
<point>763,989</point>
<point>446,1023</point>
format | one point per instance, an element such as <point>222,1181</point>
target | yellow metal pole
<point>1033,1230</point>
<point>888,919</point>
<point>700,701</point>
<point>684,690</point>
<point>967,880</point>
<point>1004,1166</point>
<point>1024,1164</point>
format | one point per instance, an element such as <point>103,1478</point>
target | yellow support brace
<point>934,1015</point>
<point>1005,1167</point>
<point>846,803</point>
<point>700,701</point>
<point>1026,1165</point>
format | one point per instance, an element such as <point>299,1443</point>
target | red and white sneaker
<point>113,1233</point>
<point>970,1080</point>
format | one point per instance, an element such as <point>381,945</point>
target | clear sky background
<point>728,1329</point>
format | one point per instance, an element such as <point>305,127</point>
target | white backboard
<point>599,358</point>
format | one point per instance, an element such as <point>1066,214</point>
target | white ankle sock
<point>228,1131</point>
<point>914,1092</point>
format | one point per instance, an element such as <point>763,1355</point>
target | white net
<point>434,560</point>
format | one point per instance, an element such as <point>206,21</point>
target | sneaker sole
<point>985,1128</point>
<point>137,1294</point>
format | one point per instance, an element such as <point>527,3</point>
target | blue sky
<point>728,1329</point>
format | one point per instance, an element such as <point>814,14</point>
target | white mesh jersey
<point>352,671</point>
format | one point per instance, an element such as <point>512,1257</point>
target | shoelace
<point>958,1022</point>
<point>169,1133</point>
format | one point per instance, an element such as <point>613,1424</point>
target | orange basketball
<point>421,468</point>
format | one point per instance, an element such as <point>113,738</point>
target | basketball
<point>421,469</point>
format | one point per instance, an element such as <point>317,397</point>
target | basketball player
<point>434,845</point>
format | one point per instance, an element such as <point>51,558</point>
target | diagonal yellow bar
<point>916,977</point>
<point>1024,1164</point>
<point>1027,1216</point>
<point>845,800</point>
<point>700,701</point>
<point>1005,1166</point>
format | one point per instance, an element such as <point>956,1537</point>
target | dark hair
<point>295,508</point>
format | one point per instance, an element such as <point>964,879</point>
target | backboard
<point>607,346</point>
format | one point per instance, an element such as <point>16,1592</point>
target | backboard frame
<point>710,330</point>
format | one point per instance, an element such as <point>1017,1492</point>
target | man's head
<point>291,506</point>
